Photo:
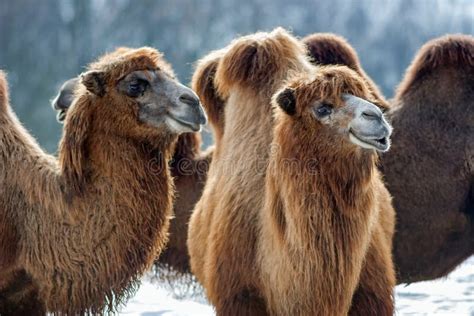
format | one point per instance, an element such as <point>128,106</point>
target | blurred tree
<point>47,42</point>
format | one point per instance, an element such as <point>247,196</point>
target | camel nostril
<point>370,115</point>
<point>189,99</point>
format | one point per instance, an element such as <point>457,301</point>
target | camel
<point>84,227</point>
<point>324,198</point>
<point>219,225</point>
<point>224,231</point>
<point>332,49</point>
<point>174,260</point>
<point>188,168</point>
<point>434,189</point>
<point>65,98</point>
<point>426,247</point>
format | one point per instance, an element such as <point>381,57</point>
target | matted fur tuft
<point>329,83</point>
<point>256,60</point>
<point>203,85</point>
<point>141,58</point>
<point>331,49</point>
<point>455,50</point>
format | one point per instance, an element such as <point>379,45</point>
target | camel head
<point>333,103</point>
<point>63,100</point>
<point>145,95</point>
<point>65,97</point>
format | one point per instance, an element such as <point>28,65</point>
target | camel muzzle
<point>189,111</point>
<point>368,128</point>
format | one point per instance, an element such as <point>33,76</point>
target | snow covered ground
<point>152,300</point>
<point>453,295</point>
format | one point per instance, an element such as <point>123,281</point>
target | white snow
<point>453,295</point>
<point>152,300</point>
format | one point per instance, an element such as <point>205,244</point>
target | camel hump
<point>255,61</point>
<point>3,89</point>
<point>203,84</point>
<point>331,49</point>
<point>455,50</point>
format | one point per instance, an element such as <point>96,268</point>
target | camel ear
<point>94,81</point>
<point>287,101</point>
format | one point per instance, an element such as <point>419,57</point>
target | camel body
<point>428,170</point>
<point>83,228</point>
<point>433,190</point>
<point>223,237</point>
<point>188,166</point>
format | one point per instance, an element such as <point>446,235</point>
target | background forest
<point>46,42</point>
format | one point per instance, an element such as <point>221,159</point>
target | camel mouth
<point>380,144</point>
<point>61,116</point>
<point>194,127</point>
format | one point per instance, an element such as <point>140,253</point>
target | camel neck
<point>317,172</point>
<point>317,185</point>
<point>116,162</point>
<point>186,150</point>
<point>130,160</point>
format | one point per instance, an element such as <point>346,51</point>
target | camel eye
<point>136,88</point>
<point>324,110</point>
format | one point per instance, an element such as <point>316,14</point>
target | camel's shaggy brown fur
<point>430,169</point>
<point>438,85</point>
<point>331,49</point>
<point>223,232</point>
<point>86,226</point>
<point>323,203</point>
<point>189,170</point>
<point>189,167</point>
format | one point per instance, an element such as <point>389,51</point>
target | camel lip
<point>192,126</point>
<point>61,116</point>
<point>379,144</point>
